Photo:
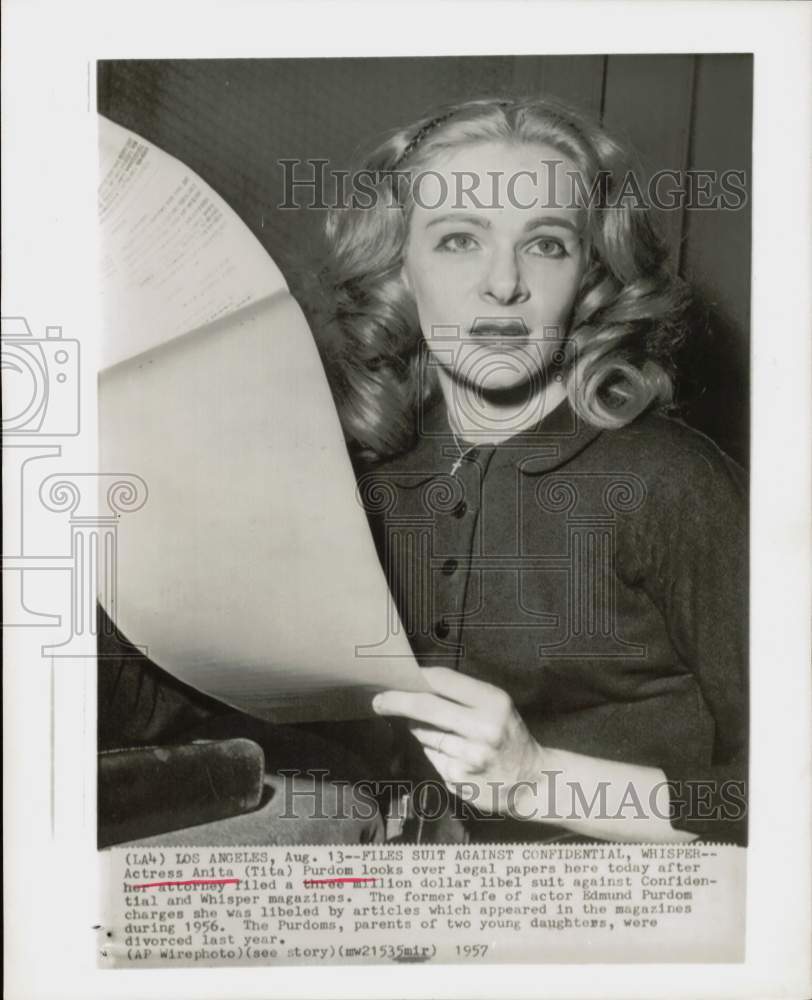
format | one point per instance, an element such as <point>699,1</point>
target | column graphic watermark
<point>41,407</point>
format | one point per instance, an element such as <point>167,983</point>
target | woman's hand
<point>472,734</point>
<point>477,741</point>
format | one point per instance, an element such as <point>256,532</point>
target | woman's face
<point>494,258</point>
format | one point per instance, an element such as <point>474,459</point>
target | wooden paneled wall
<point>232,120</point>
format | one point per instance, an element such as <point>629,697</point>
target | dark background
<point>232,120</point>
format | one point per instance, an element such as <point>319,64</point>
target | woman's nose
<point>503,282</point>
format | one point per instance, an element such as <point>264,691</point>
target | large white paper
<point>250,572</point>
<point>174,255</point>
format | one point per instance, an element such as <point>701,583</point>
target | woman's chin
<point>495,386</point>
<point>504,381</point>
<point>499,371</point>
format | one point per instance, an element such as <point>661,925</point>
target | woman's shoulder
<point>670,455</point>
<point>690,510</point>
<point>686,486</point>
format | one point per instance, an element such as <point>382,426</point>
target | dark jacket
<point>599,578</point>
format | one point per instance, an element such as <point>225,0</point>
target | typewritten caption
<point>374,904</point>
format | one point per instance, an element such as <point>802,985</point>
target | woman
<point>569,564</point>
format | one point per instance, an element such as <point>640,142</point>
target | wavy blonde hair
<point>627,318</point>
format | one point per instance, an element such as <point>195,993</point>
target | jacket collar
<point>550,444</point>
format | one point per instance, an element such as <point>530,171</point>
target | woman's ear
<point>404,277</point>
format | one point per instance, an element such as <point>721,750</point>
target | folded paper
<point>250,571</point>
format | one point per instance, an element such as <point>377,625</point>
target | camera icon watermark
<point>495,355</point>
<point>40,381</point>
<point>41,384</point>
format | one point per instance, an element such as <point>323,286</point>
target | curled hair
<point>628,314</point>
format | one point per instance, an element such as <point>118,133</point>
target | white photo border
<point>49,238</point>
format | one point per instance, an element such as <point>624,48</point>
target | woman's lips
<point>499,328</point>
<point>502,334</point>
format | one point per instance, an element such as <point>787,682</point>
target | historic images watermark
<point>313,184</point>
<point>548,799</point>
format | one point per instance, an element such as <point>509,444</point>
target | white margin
<point>48,268</point>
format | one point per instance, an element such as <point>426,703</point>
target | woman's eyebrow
<point>473,220</point>
<point>550,220</point>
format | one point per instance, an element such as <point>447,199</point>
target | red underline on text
<point>332,881</point>
<point>190,881</point>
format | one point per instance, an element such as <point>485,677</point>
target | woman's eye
<point>548,246</point>
<point>458,243</point>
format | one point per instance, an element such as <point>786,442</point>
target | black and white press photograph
<point>431,379</point>
<point>406,510</point>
